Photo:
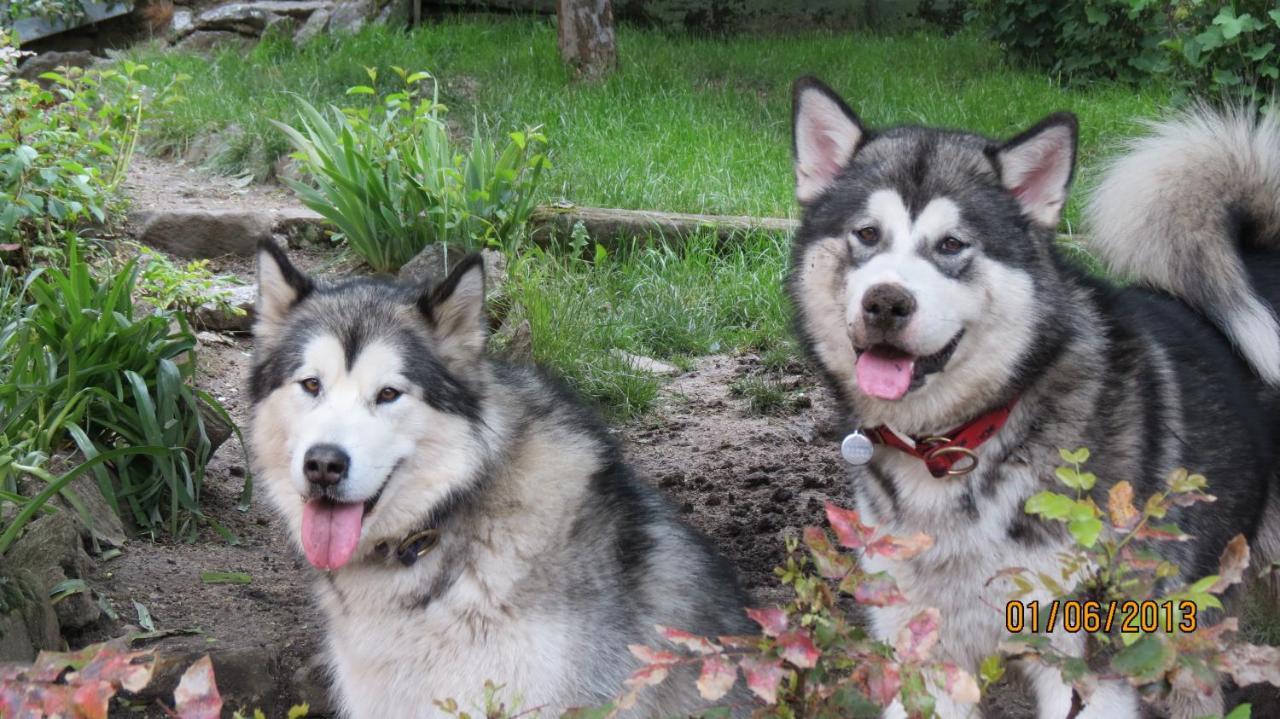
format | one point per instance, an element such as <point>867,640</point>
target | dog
<point>470,519</point>
<point>930,291</point>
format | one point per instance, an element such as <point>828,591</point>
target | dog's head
<point>914,272</point>
<point>366,411</point>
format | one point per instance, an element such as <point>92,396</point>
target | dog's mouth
<point>887,372</point>
<point>331,529</point>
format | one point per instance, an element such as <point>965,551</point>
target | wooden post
<point>586,36</point>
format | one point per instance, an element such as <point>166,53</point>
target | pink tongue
<point>330,532</point>
<point>884,375</point>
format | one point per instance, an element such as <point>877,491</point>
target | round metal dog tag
<point>856,449</point>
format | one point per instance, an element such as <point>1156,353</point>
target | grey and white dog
<point>930,291</point>
<point>472,520</point>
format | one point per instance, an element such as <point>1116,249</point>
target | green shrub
<point>64,149</point>
<point>81,366</point>
<point>1201,46</point>
<point>389,176</point>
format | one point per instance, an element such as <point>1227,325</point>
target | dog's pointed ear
<point>455,310</point>
<point>825,134</point>
<point>1037,166</point>
<point>280,288</point>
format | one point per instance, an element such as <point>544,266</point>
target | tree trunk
<point>586,36</point>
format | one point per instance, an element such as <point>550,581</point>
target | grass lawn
<point>686,124</point>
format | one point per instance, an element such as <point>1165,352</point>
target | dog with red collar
<point>967,348</point>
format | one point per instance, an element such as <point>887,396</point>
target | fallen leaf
<point>1252,664</point>
<point>197,694</point>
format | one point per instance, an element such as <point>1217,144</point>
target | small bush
<point>389,176</point>
<point>1200,46</point>
<point>64,149</point>
<point>83,367</point>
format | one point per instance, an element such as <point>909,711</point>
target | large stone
<point>351,15</point>
<point>51,550</point>
<point>101,521</point>
<point>514,340</point>
<point>206,41</point>
<point>434,262</point>
<point>212,317</point>
<point>649,365</point>
<point>203,233</point>
<point>242,18</point>
<point>182,24</point>
<point>28,623</point>
<point>37,65</point>
<point>315,24</point>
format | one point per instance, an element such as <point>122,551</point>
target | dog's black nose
<point>888,307</point>
<point>325,465</point>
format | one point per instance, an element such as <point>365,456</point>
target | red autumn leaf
<point>917,637</point>
<point>716,678</point>
<point>878,590</point>
<point>1252,664</point>
<point>1161,534</point>
<point>91,699</point>
<point>115,664</point>
<point>1235,559</point>
<point>690,641</point>
<point>649,655</point>
<point>648,676</point>
<point>851,533</point>
<point>763,677</point>
<point>959,684</point>
<point>899,548</point>
<point>798,649</point>
<point>831,563</point>
<point>773,620</point>
<point>884,681</point>
<point>197,694</point>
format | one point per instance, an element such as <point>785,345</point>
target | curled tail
<point>1177,209</point>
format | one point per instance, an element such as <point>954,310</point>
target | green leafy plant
<point>165,284</point>
<point>84,368</point>
<point>1199,45</point>
<point>65,148</point>
<point>389,176</point>
<point>1115,562</point>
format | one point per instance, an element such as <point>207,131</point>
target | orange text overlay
<point>1128,617</point>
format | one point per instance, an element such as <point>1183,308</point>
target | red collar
<point>941,453</point>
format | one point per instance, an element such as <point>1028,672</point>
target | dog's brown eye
<point>388,394</point>
<point>868,236</point>
<point>311,386</point>
<point>950,246</point>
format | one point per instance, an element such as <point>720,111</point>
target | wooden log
<point>612,228</point>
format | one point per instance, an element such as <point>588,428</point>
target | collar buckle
<point>417,545</point>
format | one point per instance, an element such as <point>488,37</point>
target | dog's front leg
<point>1111,700</point>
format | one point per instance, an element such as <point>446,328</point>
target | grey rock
<point>315,24</point>
<point>433,263</point>
<point>203,232</point>
<point>28,623</point>
<point>282,26</point>
<point>311,686</point>
<point>51,550</point>
<point>514,340</point>
<point>242,18</point>
<point>211,317</point>
<point>206,41</point>
<point>36,66</point>
<point>182,24</point>
<point>206,147</point>
<point>646,364</point>
<point>287,169</point>
<point>351,15</point>
<point>299,226</point>
<point>101,521</point>
<point>216,428</point>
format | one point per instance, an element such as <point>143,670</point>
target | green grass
<point>687,124</point>
<point>659,302</point>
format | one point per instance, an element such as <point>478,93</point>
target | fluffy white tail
<point>1174,211</point>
